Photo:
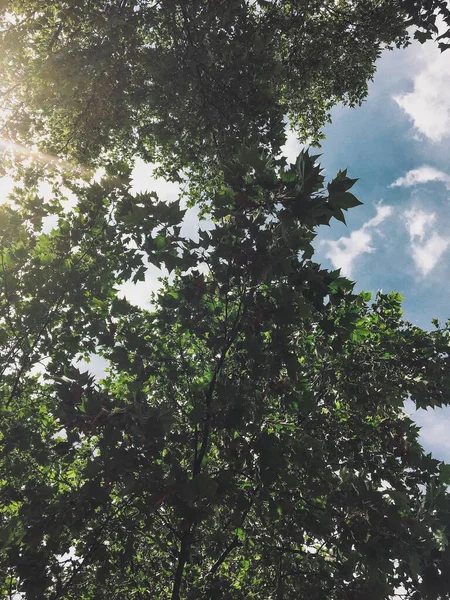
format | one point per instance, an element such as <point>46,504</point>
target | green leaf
<point>344,200</point>
<point>160,242</point>
<point>240,534</point>
<point>444,474</point>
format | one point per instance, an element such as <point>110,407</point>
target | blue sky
<point>400,239</point>
<point>398,144</point>
<point>400,135</point>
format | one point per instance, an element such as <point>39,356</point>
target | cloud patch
<point>422,175</point>
<point>435,425</point>
<point>428,104</point>
<point>417,222</point>
<point>427,255</point>
<point>426,245</point>
<point>292,146</point>
<point>344,251</point>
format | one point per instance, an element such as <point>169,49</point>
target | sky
<point>398,145</point>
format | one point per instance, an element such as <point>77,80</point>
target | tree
<point>185,83</point>
<point>248,439</point>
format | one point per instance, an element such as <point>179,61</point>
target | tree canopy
<point>248,438</point>
<point>185,82</point>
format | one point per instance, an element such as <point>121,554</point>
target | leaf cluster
<point>247,439</point>
<point>186,83</point>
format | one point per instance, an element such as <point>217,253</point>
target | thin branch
<point>182,560</point>
<point>235,541</point>
<point>93,548</point>
<point>52,312</point>
<point>82,113</point>
<point>280,586</point>
<point>211,388</point>
<point>233,544</point>
<point>199,457</point>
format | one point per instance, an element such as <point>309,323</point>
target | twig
<point>182,560</point>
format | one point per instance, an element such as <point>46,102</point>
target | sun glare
<point>21,151</point>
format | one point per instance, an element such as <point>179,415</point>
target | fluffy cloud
<point>417,221</point>
<point>428,104</point>
<point>427,246</point>
<point>434,427</point>
<point>426,255</point>
<point>423,174</point>
<point>344,251</point>
<point>383,212</point>
<point>292,147</point>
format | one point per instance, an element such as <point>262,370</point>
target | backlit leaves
<point>247,433</point>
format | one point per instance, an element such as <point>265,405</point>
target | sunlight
<point>6,187</point>
<point>21,151</point>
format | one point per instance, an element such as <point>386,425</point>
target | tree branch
<point>210,393</point>
<point>182,560</point>
<point>233,544</point>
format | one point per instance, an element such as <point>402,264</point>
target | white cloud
<point>423,174</point>
<point>426,255</point>
<point>428,105</point>
<point>96,365</point>
<point>435,425</point>
<point>140,293</point>
<point>427,246</point>
<point>417,221</point>
<point>344,251</point>
<point>434,428</point>
<point>143,180</point>
<point>383,212</point>
<point>292,147</point>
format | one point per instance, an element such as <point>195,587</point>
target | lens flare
<point>19,150</point>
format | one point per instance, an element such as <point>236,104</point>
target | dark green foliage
<point>427,15</point>
<point>187,82</point>
<point>248,439</point>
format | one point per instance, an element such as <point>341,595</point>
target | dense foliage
<point>183,82</point>
<point>247,439</point>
